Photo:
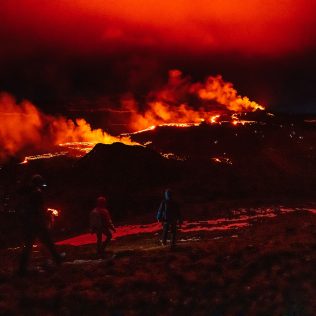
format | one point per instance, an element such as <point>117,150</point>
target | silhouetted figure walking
<point>34,223</point>
<point>170,216</point>
<point>101,224</point>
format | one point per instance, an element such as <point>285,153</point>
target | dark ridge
<point>119,164</point>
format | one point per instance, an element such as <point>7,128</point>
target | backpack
<point>161,211</point>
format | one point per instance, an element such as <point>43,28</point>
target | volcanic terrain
<point>247,194</point>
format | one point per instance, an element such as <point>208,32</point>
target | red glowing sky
<point>247,26</point>
<point>56,52</point>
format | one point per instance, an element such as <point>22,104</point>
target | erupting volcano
<point>178,103</point>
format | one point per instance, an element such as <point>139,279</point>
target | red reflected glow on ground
<point>240,219</point>
<point>121,231</point>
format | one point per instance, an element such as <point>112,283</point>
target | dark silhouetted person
<point>170,217</point>
<point>101,224</point>
<point>34,223</point>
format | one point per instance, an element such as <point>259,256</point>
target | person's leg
<point>26,252</point>
<point>165,233</point>
<point>173,234</point>
<point>99,242</point>
<point>46,240</point>
<point>108,235</point>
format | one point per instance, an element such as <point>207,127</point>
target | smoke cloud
<point>20,125</point>
<point>23,126</point>
<point>181,101</point>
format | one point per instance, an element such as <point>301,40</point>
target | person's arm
<point>160,212</point>
<point>109,221</point>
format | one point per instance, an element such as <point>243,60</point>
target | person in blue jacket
<point>170,216</point>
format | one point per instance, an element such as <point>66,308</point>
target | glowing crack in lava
<point>43,156</point>
<point>173,156</point>
<point>222,160</point>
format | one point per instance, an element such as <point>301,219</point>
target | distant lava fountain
<point>183,101</point>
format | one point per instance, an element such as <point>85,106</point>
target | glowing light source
<point>214,119</point>
<point>53,211</point>
<point>222,160</point>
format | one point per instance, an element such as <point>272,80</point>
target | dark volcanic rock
<point>120,164</point>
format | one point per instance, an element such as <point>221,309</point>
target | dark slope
<point>266,269</point>
<point>123,165</point>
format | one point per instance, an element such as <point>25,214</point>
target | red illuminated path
<point>240,220</point>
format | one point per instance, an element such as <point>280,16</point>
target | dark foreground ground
<point>267,268</point>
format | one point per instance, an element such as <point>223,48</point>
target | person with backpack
<point>170,217</point>
<point>101,224</point>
